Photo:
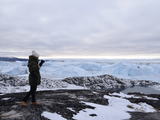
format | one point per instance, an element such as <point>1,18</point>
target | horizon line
<point>91,57</point>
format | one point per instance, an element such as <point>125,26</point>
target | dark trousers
<point>32,92</point>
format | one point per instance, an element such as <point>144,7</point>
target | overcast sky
<point>66,28</point>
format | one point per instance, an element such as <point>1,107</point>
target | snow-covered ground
<point>117,109</point>
<point>52,116</point>
<point>58,69</point>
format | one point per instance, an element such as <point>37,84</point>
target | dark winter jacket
<point>34,76</point>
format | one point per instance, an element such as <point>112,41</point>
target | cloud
<point>80,28</point>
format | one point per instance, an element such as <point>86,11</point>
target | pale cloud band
<point>80,27</point>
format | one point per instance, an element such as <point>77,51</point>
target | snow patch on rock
<point>52,116</point>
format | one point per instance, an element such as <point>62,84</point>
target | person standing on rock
<point>34,77</point>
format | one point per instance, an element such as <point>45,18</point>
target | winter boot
<point>35,103</point>
<point>23,103</point>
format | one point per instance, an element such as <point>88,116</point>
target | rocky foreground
<point>69,104</point>
<point>98,98</point>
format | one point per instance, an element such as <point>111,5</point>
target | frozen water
<point>58,69</point>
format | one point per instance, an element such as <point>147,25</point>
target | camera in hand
<point>41,63</point>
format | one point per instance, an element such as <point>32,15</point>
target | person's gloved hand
<point>41,63</point>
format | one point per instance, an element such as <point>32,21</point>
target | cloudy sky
<point>80,28</point>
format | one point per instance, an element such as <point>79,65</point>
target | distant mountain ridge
<point>12,59</point>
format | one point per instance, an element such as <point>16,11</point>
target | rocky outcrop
<point>68,103</point>
<point>103,82</point>
<point>107,82</point>
<point>8,80</point>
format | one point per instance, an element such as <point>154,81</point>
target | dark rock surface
<point>145,116</point>
<point>153,103</point>
<point>52,101</point>
<point>59,101</point>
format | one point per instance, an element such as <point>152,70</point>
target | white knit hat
<point>34,53</point>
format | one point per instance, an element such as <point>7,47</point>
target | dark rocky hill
<point>107,82</point>
<point>102,83</point>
